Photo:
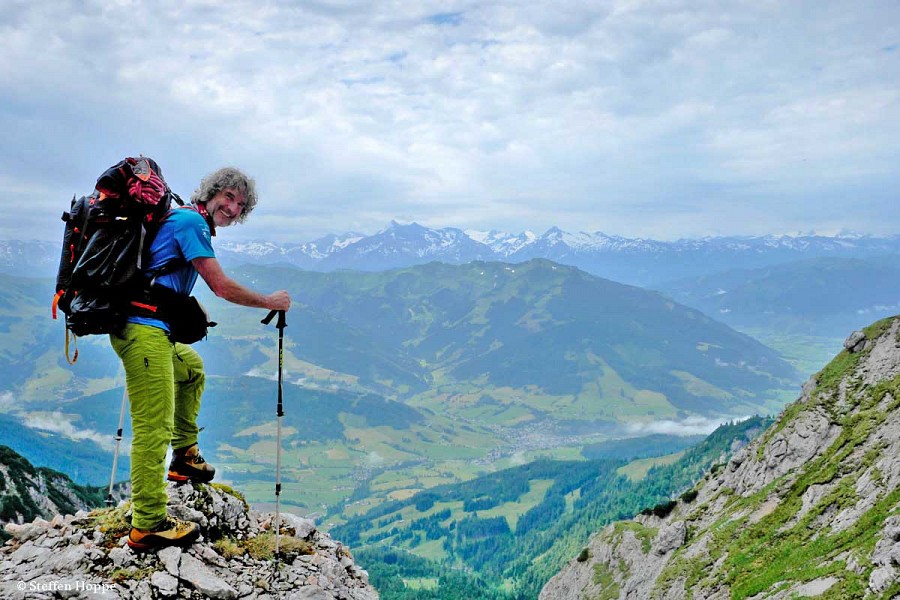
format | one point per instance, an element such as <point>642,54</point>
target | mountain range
<point>635,261</point>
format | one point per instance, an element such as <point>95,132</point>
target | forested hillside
<point>507,533</point>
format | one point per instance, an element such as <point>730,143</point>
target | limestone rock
<point>164,583</point>
<point>226,563</point>
<point>856,342</point>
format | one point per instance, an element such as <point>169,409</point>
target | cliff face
<point>27,491</point>
<point>811,508</point>
<point>84,555</point>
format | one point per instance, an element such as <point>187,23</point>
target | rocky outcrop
<point>85,555</point>
<point>810,508</point>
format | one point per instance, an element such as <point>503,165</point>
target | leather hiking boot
<point>188,465</point>
<point>171,532</point>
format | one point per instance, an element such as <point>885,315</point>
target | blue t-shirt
<point>182,237</point>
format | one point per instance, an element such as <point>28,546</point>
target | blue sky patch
<point>454,18</point>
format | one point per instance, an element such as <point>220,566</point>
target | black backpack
<point>106,242</point>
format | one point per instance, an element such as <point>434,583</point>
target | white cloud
<point>57,422</point>
<point>62,424</point>
<point>659,118</point>
<point>8,402</point>
<point>689,426</point>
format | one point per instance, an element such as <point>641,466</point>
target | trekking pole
<point>109,496</point>
<point>281,324</point>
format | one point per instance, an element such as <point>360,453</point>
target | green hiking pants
<point>165,382</point>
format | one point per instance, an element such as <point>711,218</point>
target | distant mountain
<point>634,261</point>
<point>542,336</point>
<point>307,255</point>
<point>32,355</point>
<point>825,296</point>
<point>534,331</point>
<point>402,245</point>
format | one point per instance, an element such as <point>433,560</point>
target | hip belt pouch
<point>187,319</point>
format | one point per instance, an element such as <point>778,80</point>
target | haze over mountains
<point>635,261</point>
<point>821,296</point>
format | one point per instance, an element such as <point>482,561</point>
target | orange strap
<point>56,298</point>
<point>74,358</point>
<point>149,307</point>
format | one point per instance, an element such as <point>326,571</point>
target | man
<point>164,379</point>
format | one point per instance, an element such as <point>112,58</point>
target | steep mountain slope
<point>811,508</point>
<point>27,492</point>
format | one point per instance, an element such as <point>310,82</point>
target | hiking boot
<point>170,532</point>
<point>188,465</point>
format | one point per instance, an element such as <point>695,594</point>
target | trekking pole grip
<point>281,324</point>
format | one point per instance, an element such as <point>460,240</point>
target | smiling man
<point>165,379</point>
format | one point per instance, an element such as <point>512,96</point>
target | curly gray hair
<point>227,178</point>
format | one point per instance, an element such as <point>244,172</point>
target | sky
<point>662,119</point>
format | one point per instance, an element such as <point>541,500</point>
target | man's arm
<point>227,288</point>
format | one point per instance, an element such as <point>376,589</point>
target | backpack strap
<point>74,339</point>
<point>55,303</point>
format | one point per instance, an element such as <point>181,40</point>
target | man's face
<point>225,207</point>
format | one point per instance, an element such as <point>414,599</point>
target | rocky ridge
<point>85,555</point>
<point>812,507</point>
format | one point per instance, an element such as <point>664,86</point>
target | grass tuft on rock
<point>113,523</point>
<point>227,489</point>
<point>262,547</point>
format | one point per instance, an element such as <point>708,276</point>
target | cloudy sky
<point>652,118</point>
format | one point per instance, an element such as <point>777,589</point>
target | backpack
<point>106,241</point>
